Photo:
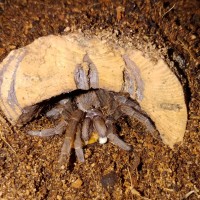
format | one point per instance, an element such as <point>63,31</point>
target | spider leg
<point>57,130</point>
<point>100,127</point>
<point>134,105</point>
<point>114,138</point>
<point>78,145</point>
<point>98,124</point>
<point>140,117</point>
<point>86,129</point>
<point>55,112</point>
<point>69,135</point>
<point>64,107</point>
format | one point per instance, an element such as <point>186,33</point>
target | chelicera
<point>92,110</point>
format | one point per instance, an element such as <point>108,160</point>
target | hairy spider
<point>92,110</point>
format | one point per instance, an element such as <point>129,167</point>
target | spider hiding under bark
<point>92,110</point>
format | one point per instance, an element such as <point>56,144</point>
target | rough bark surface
<point>54,65</point>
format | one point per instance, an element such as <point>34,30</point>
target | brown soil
<point>28,165</point>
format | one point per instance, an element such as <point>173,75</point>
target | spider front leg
<point>86,126</point>
<point>71,130</point>
<point>111,134</point>
<point>100,127</point>
<point>78,145</point>
<point>140,117</point>
<point>98,124</point>
<point>57,130</point>
<point>63,108</point>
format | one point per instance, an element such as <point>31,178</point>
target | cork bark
<point>54,65</point>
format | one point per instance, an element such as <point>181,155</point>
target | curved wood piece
<point>53,65</point>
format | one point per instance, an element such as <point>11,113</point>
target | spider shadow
<point>72,160</point>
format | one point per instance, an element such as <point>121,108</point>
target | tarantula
<point>93,110</point>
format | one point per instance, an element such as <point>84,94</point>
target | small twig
<point>133,190</point>
<point>3,121</point>
<point>195,191</point>
<point>129,173</point>
<point>168,10</point>
<point>190,193</point>
<point>4,140</point>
